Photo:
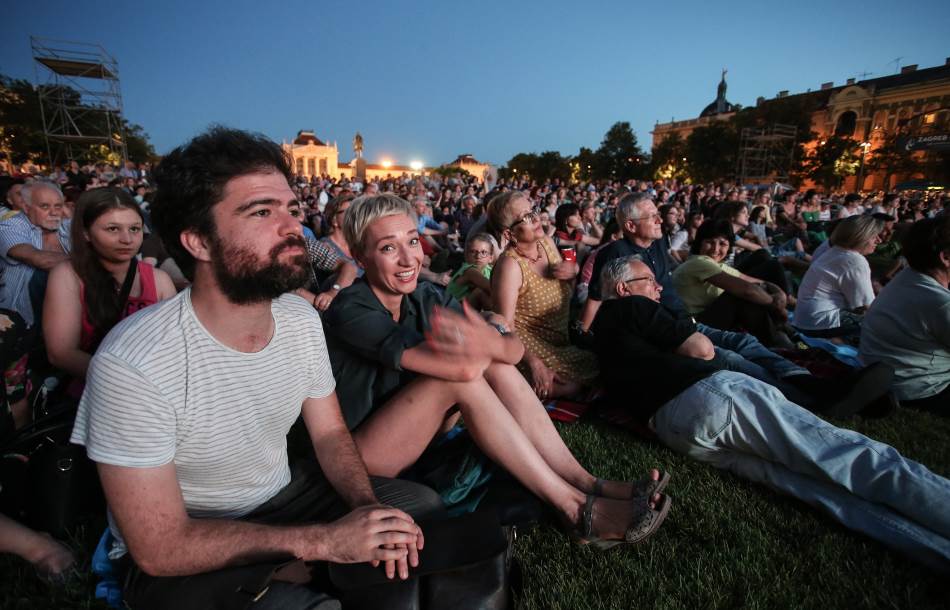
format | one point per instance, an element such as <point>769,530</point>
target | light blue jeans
<point>745,426</point>
<point>756,360</point>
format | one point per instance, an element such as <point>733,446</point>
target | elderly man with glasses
<point>687,395</point>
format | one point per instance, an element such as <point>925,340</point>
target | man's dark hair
<point>924,241</point>
<point>190,180</point>
<point>712,229</point>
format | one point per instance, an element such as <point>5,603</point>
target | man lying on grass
<point>671,376</point>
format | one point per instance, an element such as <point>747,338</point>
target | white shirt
<point>161,389</point>
<point>840,279</point>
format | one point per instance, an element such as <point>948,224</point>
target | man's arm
<point>164,541</point>
<point>41,259</point>
<point>336,451</point>
<point>697,345</point>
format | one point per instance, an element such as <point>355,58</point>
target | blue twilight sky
<point>430,80</point>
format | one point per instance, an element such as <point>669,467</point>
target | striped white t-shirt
<point>161,389</point>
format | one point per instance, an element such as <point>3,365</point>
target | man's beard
<point>244,281</point>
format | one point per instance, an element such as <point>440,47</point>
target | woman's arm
<point>506,280</point>
<point>62,322</point>
<point>473,276</point>
<point>737,286</point>
<point>164,285</point>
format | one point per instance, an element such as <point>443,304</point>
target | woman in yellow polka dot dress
<point>531,288</point>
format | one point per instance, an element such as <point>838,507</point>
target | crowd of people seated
<point>197,310</point>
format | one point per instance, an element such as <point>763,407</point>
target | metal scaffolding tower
<point>80,99</point>
<point>766,153</point>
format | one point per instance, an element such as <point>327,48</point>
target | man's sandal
<point>645,523</point>
<point>642,488</point>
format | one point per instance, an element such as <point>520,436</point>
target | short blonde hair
<point>499,210</point>
<point>364,210</point>
<point>855,231</point>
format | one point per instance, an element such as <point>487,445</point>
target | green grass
<point>726,543</point>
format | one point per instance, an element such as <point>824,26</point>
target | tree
<point>21,126</point>
<point>711,151</point>
<point>550,164</point>
<point>833,159</point>
<point>584,164</point>
<point>669,158</point>
<point>892,160</point>
<point>619,157</point>
<point>522,164</point>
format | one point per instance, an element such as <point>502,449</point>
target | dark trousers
<point>938,404</point>
<point>308,498</point>
<point>762,266</point>
<point>729,312</point>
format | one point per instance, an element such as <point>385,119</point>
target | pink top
<point>148,296</point>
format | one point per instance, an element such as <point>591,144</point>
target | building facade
<point>312,157</point>
<point>911,108</point>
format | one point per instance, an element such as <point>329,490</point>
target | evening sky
<point>430,80</point>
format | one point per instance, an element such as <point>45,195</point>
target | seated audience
<point>399,390</point>
<point>908,325</point>
<point>472,281</point>
<point>667,373</point>
<point>837,289</point>
<point>721,296</point>
<point>531,289</point>
<point>102,283</point>
<point>31,244</point>
<point>331,267</point>
<point>188,404</point>
<point>642,230</point>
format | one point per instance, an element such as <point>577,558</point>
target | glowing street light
<point>415,165</point>
<point>387,163</point>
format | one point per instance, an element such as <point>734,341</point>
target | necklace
<point>532,259</point>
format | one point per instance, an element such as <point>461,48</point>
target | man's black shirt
<point>635,340</point>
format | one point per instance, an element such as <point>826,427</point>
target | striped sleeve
<point>123,419</point>
<point>13,233</point>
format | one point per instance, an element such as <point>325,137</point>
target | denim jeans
<point>754,359</point>
<point>739,424</point>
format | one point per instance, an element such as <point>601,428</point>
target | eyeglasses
<point>480,253</point>
<point>530,217</point>
<point>648,278</point>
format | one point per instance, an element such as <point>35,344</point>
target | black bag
<point>465,564</point>
<point>46,481</point>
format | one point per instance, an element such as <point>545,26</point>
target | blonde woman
<point>407,359</point>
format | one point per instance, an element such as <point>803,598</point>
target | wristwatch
<point>501,328</point>
<point>336,287</point>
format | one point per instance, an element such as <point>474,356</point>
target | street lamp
<point>387,163</point>
<point>415,165</point>
<point>865,146</point>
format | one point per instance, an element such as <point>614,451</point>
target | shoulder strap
<point>127,284</point>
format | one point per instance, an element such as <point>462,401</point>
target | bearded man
<point>188,404</point>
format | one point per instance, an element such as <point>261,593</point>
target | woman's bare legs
<point>397,434</point>
<point>516,394</point>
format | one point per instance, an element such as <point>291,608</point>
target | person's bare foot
<point>626,490</point>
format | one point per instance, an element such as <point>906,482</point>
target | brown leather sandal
<point>645,523</point>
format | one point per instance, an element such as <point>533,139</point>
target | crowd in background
<point>768,260</point>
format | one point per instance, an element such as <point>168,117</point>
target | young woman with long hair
<point>89,294</point>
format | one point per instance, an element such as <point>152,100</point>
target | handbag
<point>46,481</point>
<point>464,565</point>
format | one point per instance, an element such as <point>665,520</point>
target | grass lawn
<point>726,543</point>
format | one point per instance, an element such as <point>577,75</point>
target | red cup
<point>568,254</point>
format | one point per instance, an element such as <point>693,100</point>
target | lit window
<point>930,118</point>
